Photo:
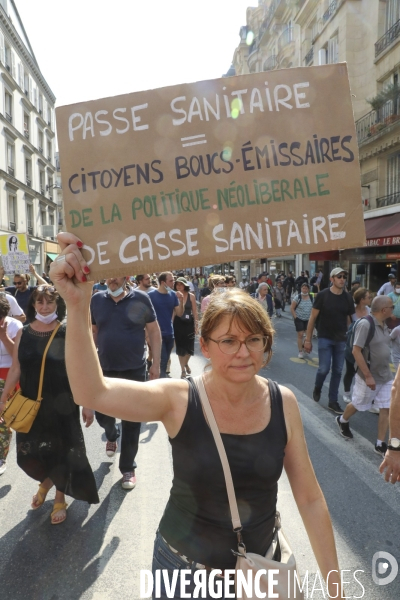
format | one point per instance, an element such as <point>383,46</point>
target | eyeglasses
<point>45,288</point>
<point>390,307</point>
<point>255,343</point>
<point>17,282</point>
<point>341,276</point>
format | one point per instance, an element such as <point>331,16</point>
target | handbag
<point>20,411</point>
<point>284,579</point>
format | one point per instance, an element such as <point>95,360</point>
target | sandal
<point>40,497</point>
<point>188,369</point>
<point>183,375</point>
<point>59,506</point>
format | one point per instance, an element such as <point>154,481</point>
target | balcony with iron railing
<point>376,121</point>
<point>309,57</point>
<point>388,200</point>
<point>271,63</point>
<point>330,11</point>
<point>390,36</point>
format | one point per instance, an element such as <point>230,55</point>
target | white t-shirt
<point>15,309</point>
<point>13,326</point>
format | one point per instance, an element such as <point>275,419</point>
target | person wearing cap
<point>333,307</point>
<point>185,326</point>
<point>388,286</point>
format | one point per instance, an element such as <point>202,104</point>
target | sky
<point>89,49</point>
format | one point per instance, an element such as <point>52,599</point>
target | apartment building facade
<point>366,35</point>
<point>27,143</point>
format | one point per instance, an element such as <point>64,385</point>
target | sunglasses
<point>45,288</point>
<point>17,282</point>
<point>341,276</point>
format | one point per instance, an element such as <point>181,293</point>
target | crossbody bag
<point>284,580</point>
<point>20,411</point>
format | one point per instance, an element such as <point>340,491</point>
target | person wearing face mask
<point>53,452</point>
<point>120,321</point>
<point>167,303</point>
<point>394,320</point>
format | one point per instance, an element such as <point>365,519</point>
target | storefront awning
<point>328,255</point>
<point>383,231</point>
<point>51,255</point>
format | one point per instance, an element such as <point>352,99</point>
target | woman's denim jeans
<point>329,352</point>
<point>164,558</point>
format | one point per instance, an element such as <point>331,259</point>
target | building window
<point>393,175</point>
<point>51,218</point>
<point>8,57</point>
<point>40,104</point>
<point>392,13</point>
<point>28,172</point>
<point>49,116</point>
<point>41,181</point>
<point>43,216</point>
<point>333,50</point>
<point>49,150</point>
<point>40,144</point>
<point>12,212</point>
<point>9,107</point>
<point>29,218</point>
<point>27,125</point>
<point>10,159</point>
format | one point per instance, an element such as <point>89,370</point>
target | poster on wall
<point>243,167</point>
<point>14,253</point>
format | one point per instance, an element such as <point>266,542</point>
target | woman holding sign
<point>259,420</point>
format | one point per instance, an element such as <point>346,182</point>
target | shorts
<point>300,325</point>
<point>363,396</point>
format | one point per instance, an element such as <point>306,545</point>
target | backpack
<point>348,353</point>
<point>299,298</point>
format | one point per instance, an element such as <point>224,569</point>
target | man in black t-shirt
<point>333,307</point>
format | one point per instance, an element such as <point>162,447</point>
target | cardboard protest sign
<point>14,253</point>
<point>235,168</point>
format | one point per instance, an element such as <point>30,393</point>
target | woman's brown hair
<point>359,295</point>
<point>245,311</point>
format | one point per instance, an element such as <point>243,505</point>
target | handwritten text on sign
<point>249,166</point>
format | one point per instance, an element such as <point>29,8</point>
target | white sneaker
<point>374,410</point>
<point>300,355</point>
<point>129,480</point>
<point>346,397</point>
<point>3,466</point>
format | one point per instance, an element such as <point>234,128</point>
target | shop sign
<point>214,171</point>
<point>384,241</point>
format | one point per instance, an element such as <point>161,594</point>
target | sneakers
<point>300,355</point>
<point>344,429</point>
<point>3,466</point>
<point>381,449</point>
<point>111,448</point>
<point>336,408</point>
<point>374,410</point>
<point>346,397</point>
<point>128,480</point>
<point>316,394</point>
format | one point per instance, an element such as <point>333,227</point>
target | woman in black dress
<point>53,452</point>
<point>185,327</point>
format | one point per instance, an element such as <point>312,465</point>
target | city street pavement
<point>98,552</point>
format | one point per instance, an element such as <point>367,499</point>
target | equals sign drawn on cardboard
<point>193,140</point>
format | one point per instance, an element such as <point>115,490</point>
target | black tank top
<point>196,520</point>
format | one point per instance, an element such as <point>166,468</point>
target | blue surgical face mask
<point>117,292</point>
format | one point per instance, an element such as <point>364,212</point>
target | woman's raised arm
<point>159,400</point>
